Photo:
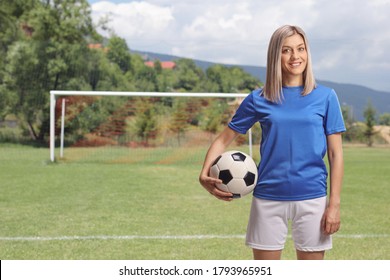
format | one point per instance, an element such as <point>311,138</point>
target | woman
<point>300,121</point>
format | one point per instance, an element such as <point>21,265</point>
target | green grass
<point>155,193</point>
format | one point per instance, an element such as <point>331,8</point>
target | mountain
<point>356,97</point>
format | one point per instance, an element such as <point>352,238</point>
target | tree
<point>146,79</point>
<point>215,76</point>
<point>20,82</point>
<point>11,29</point>
<point>178,124</point>
<point>215,115</point>
<point>349,135</point>
<point>243,81</point>
<point>146,126</point>
<point>10,32</point>
<point>369,115</point>
<point>104,75</point>
<point>49,55</point>
<point>188,75</point>
<point>230,79</point>
<point>384,119</point>
<point>118,52</point>
<point>157,66</point>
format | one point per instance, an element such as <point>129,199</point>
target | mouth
<point>295,64</point>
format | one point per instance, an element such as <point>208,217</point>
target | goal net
<point>141,127</point>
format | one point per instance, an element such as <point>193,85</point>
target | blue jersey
<point>293,143</point>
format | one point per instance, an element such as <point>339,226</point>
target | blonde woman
<point>301,122</point>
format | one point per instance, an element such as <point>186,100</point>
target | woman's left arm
<point>331,218</point>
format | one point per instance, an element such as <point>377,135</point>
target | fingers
<point>221,194</point>
<point>330,226</point>
<point>210,183</point>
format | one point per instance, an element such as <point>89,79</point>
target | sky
<point>349,39</point>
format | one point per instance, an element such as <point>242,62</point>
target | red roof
<point>164,64</point>
<point>97,46</point>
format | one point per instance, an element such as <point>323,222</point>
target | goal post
<point>54,94</point>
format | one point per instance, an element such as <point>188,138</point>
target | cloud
<point>134,19</point>
<point>349,38</point>
<point>219,22</point>
<point>216,29</point>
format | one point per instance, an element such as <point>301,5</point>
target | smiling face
<point>294,60</point>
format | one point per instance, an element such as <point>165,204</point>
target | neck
<point>292,81</point>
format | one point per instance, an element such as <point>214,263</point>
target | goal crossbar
<point>59,93</point>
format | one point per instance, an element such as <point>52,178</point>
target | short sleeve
<point>333,122</point>
<point>245,116</point>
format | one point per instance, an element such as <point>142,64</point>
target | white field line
<point>162,237</point>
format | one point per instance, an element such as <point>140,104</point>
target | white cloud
<point>134,19</point>
<point>349,38</point>
<point>219,23</point>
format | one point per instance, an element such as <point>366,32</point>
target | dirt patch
<point>384,132</point>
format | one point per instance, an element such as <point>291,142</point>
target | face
<point>294,59</point>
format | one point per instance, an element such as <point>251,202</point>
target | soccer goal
<point>126,124</point>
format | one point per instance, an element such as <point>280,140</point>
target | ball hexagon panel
<point>238,169</point>
<point>251,165</point>
<point>224,162</point>
<point>238,186</point>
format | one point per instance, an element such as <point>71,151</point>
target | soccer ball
<point>237,171</point>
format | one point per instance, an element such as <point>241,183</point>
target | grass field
<point>148,204</point>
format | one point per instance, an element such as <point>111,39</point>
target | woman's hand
<point>209,183</point>
<point>331,220</point>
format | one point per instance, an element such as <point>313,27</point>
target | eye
<point>301,49</point>
<point>286,50</point>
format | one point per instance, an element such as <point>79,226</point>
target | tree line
<point>46,45</point>
<point>364,132</point>
<point>49,45</point>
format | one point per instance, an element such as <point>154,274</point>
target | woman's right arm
<point>218,146</point>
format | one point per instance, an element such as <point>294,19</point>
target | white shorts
<point>268,224</point>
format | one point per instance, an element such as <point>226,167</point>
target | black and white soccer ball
<point>238,173</point>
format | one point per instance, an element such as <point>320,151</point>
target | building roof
<point>164,64</point>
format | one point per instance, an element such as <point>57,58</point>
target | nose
<point>294,55</point>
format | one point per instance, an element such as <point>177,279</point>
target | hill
<point>354,96</point>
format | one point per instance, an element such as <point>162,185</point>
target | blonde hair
<point>272,89</point>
